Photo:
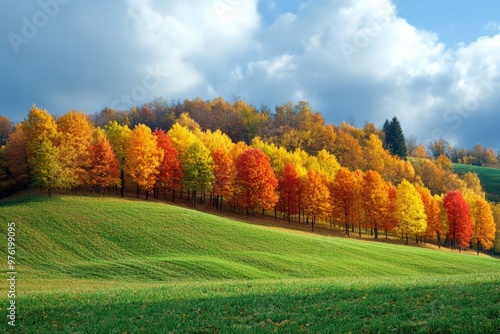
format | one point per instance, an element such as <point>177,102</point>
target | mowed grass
<point>105,265</point>
<point>490,179</point>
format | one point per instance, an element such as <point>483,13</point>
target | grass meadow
<point>108,265</point>
<point>490,179</point>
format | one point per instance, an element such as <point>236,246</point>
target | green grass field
<point>490,179</point>
<point>106,265</point>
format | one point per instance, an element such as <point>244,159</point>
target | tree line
<point>317,174</point>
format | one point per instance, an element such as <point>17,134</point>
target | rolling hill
<point>490,179</point>
<point>110,265</point>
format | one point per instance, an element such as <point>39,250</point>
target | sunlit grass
<point>90,265</point>
<point>490,179</point>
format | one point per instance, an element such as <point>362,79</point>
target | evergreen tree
<point>394,139</point>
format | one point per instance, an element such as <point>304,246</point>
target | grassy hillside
<point>490,179</point>
<point>110,265</point>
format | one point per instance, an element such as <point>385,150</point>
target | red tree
<point>289,191</point>
<point>170,172</point>
<point>255,181</point>
<point>460,230</point>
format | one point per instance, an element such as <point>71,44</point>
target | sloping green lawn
<point>490,179</point>
<point>107,265</point>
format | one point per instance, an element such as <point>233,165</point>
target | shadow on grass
<point>279,306</point>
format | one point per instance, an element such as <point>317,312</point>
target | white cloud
<point>347,57</point>
<point>189,39</point>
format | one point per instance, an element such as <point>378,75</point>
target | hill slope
<point>83,237</point>
<point>112,265</point>
<point>490,179</point>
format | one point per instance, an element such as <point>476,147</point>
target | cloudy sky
<point>433,64</point>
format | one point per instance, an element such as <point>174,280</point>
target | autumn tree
<point>197,167</point>
<point>255,181</point>
<point>39,126</point>
<point>170,171</point>
<point>289,191</point>
<point>16,156</point>
<point>375,155</point>
<point>433,213</point>
<point>75,138</point>
<point>344,194</point>
<point>347,148</point>
<point>460,229</point>
<point>440,147</point>
<point>46,166</point>
<point>374,197</point>
<point>104,168</point>
<point>473,183</point>
<point>143,158</point>
<point>390,222</point>
<point>118,136</point>
<point>315,197</point>
<point>421,152</point>
<point>4,178</point>
<point>482,219</point>
<point>6,128</point>
<point>224,175</point>
<point>410,211</point>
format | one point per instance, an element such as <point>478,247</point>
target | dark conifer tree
<point>394,139</point>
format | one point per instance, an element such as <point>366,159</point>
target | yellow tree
<point>410,211</point>
<point>75,140</point>
<point>41,139</point>
<point>143,158</point>
<point>433,212</point>
<point>328,163</point>
<point>39,125</point>
<point>197,168</point>
<point>482,219</point>
<point>46,166</point>
<point>374,154</point>
<point>473,183</point>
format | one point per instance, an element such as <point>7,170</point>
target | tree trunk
<point>122,177</point>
